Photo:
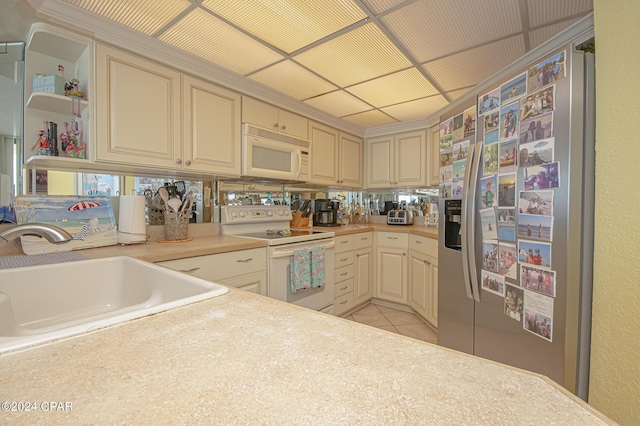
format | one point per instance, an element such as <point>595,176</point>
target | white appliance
<point>271,223</point>
<point>271,155</point>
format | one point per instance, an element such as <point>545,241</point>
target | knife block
<point>298,221</point>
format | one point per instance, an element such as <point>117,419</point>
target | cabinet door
<point>137,111</point>
<point>324,155</point>
<point>350,160</point>
<point>419,275</point>
<point>211,126</point>
<point>259,113</point>
<point>255,283</point>
<point>432,291</point>
<point>410,158</point>
<point>293,124</point>
<point>363,264</point>
<point>391,274</point>
<point>379,162</point>
<point>433,159</point>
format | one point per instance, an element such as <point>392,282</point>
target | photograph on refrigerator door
<point>490,256</point>
<point>513,89</point>
<point>541,102</point>
<point>536,202</point>
<point>535,227</point>
<point>445,158</point>
<point>538,315</point>
<point>488,186</point>
<point>458,129</point>
<point>489,101</point>
<point>492,121</point>
<point>507,190</point>
<point>509,121</point>
<point>513,302</point>
<point>460,150</point>
<point>508,260</point>
<point>506,223</point>
<point>538,279</point>
<point>469,121</point>
<point>534,253</point>
<point>536,128</point>
<point>488,223</point>
<point>545,176</point>
<point>509,155</point>
<point>536,153</point>
<point>493,283</point>
<point>491,137</point>
<point>490,159</point>
<point>546,72</point>
<point>445,190</point>
<point>445,173</point>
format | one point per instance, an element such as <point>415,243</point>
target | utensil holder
<point>176,225</point>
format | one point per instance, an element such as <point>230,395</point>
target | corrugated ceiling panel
<point>457,94</point>
<point>359,55</point>
<point>146,16</point>
<point>414,110</point>
<point>288,25</point>
<point>433,28</point>
<point>544,11</point>
<point>290,78</point>
<point>379,6</point>
<point>205,36</point>
<point>542,34</point>
<point>475,65</point>
<point>391,89</point>
<point>338,103</point>
<point>373,118</point>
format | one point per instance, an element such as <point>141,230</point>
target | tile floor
<point>395,321</point>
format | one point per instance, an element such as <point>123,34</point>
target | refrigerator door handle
<point>464,227</point>
<point>471,218</point>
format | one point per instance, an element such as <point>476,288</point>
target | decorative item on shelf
<point>69,141</point>
<point>72,90</point>
<point>43,144</point>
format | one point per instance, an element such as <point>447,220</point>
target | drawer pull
<point>418,242</point>
<point>343,288</point>
<point>189,270</point>
<point>365,238</point>
<point>392,238</point>
<point>244,260</point>
<point>342,303</point>
<point>344,242</point>
<point>343,274</point>
<point>344,259</point>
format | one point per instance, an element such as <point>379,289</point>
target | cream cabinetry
<point>152,116</point>
<point>423,277</point>
<point>391,266</point>
<point>433,159</point>
<point>336,158</point>
<point>244,269</point>
<point>397,160</point>
<point>273,118</point>
<point>344,299</point>
<point>363,262</point>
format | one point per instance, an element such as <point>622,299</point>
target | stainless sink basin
<point>48,302</point>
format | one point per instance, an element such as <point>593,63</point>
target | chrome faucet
<point>53,234</point>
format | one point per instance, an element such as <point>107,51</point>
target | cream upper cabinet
<point>270,117</point>
<point>149,115</point>
<point>433,165</point>
<point>138,111</point>
<point>211,127</point>
<point>397,160</point>
<point>336,156</point>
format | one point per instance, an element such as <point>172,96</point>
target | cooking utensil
<point>181,188</point>
<point>164,194</point>
<point>175,204</point>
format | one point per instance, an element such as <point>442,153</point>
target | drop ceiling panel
<point>434,28</point>
<point>373,118</point>
<point>379,6</point>
<point>394,88</point>
<point>339,103</point>
<point>542,34</point>
<point>544,11</point>
<point>473,66</point>
<point>358,55</point>
<point>457,94</point>
<point>292,79</point>
<point>205,36</point>
<point>146,16</point>
<point>288,25</point>
<point>414,110</point>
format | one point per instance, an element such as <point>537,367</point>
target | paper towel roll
<point>131,227</point>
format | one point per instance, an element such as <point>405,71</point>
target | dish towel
<point>300,269</point>
<point>317,266</point>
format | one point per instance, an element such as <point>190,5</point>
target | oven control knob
<point>269,213</point>
<point>282,212</point>
<point>241,213</point>
<point>234,214</point>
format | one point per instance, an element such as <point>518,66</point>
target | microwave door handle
<point>299,162</point>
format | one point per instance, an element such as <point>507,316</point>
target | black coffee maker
<point>326,213</point>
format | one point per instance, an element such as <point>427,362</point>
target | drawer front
<point>344,273</point>
<point>343,259</point>
<point>423,245</point>
<point>343,304</point>
<point>363,240</point>
<point>218,267</point>
<point>343,288</point>
<point>392,239</point>
<point>344,243</point>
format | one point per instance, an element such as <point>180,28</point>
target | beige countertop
<point>425,231</point>
<point>245,359</point>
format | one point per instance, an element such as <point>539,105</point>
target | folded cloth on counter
<point>317,266</point>
<point>300,269</point>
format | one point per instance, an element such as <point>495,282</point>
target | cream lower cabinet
<point>152,116</point>
<point>391,267</point>
<point>243,269</point>
<point>363,262</point>
<point>397,160</point>
<point>337,157</point>
<point>344,299</point>
<point>423,277</point>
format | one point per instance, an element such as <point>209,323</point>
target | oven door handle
<point>286,253</point>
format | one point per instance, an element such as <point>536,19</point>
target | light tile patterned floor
<point>396,321</point>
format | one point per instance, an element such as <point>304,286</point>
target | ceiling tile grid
<point>204,35</point>
<point>542,34</point>
<point>394,88</point>
<point>545,11</point>
<point>430,29</point>
<point>359,55</point>
<point>379,6</point>
<point>289,77</point>
<point>145,16</point>
<point>453,72</point>
<point>338,103</point>
<point>373,118</point>
<point>415,110</point>
<point>288,25</point>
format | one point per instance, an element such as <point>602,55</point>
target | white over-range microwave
<point>271,155</point>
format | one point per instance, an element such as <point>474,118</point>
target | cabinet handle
<point>395,183</point>
<point>363,239</point>
<point>342,303</point>
<point>344,259</point>
<point>244,260</point>
<point>392,238</point>
<point>428,263</point>
<point>189,270</point>
<point>275,125</point>
<point>344,242</point>
<point>390,182</point>
<point>404,254</point>
<point>418,242</point>
<point>343,274</point>
<point>178,161</point>
<point>344,288</point>
<point>425,261</point>
<point>284,126</point>
<point>188,163</point>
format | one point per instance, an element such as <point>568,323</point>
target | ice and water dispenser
<point>452,224</point>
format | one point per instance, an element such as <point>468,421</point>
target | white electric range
<point>271,223</point>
